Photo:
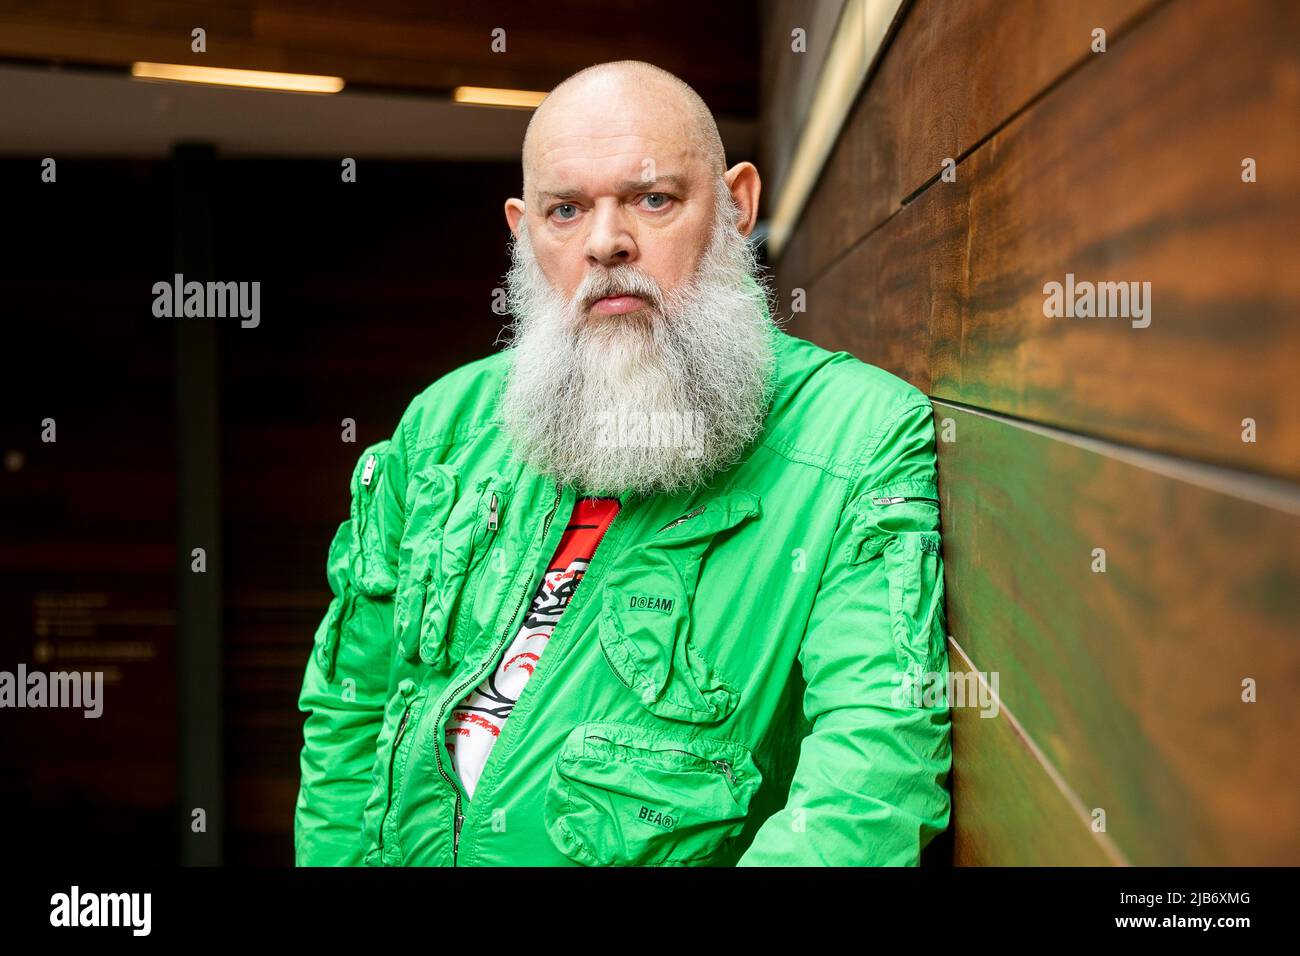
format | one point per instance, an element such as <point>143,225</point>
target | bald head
<point>632,91</point>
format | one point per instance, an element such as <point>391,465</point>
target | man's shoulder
<point>457,404</point>
<point>832,405</point>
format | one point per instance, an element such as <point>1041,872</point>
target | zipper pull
<point>900,500</point>
<point>726,768</point>
<point>369,471</point>
<point>492,513</point>
<point>686,517</point>
<point>460,818</point>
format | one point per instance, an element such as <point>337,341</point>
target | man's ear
<point>514,212</point>
<point>746,186</point>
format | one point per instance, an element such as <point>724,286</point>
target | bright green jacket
<point>736,681</point>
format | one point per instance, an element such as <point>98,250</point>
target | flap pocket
<point>392,749</point>
<point>916,594</point>
<point>357,567</point>
<point>328,633</point>
<point>645,620</point>
<point>429,499</point>
<point>446,541</point>
<point>624,795</point>
<point>371,571</point>
<point>899,525</point>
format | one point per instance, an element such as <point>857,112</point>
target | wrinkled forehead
<point>589,147</point>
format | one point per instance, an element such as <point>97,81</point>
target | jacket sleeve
<point>870,786</point>
<point>345,686</point>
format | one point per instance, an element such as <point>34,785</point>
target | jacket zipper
<point>459,818</point>
<point>565,618</point>
<point>722,764</point>
<point>392,761</point>
<point>900,500</point>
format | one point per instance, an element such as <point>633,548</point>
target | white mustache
<point>597,286</point>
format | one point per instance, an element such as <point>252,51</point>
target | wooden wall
<point>1120,690</point>
<point>415,45</point>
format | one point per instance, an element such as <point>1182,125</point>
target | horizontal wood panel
<point>953,73</point>
<point>1128,171</point>
<point>1007,809</point>
<point>432,46</point>
<point>1130,681</point>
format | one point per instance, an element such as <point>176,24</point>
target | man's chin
<point>642,319</point>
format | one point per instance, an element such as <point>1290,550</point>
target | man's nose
<point>609,242</point>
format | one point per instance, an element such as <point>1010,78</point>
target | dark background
<point>368,293</point>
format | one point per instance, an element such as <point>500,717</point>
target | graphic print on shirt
<point>476,723</point>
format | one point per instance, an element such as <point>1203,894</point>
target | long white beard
<point>656,401</point>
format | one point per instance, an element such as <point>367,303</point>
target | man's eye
<point>663,196</point>
<point>564,205</point>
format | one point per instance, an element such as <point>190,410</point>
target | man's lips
<point>618,304</point>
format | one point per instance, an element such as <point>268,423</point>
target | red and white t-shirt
<point>476,723</point>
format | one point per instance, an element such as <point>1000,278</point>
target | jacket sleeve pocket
<point>331,626</point>
<point>443,551</point>
<point>431,495</point>
<point>345,684</point>
<point>916,601</point>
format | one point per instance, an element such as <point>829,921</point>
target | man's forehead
<point>610,159</point>
<point>581,143</point>
<point>573,186</point>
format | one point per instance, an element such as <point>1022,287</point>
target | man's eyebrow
<point>626,186</point>
<point>671,179</point>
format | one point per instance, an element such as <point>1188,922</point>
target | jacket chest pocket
<point>443,556</point>
<point>645,619</point>
<point>360,576</point>
<point>624,795</point>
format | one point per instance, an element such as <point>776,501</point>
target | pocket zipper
<point>368,472</point>
<point>392,761</point>
<point>720,763</point>
<point>479,553</point>
<point>621,678</point>
<point>686,517</point>
<point>899,500</point>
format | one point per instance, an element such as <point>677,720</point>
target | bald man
<point>657,584</point>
